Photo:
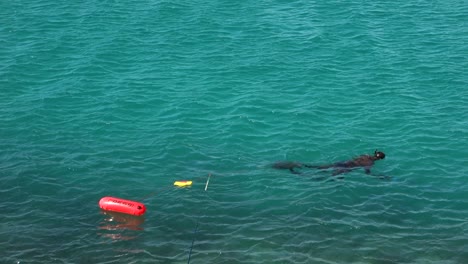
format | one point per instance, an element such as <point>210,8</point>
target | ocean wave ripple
<point>111,101</point>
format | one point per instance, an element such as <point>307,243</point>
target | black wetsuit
<point>363,161</point>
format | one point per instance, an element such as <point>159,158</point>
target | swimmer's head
<point>379,155</point>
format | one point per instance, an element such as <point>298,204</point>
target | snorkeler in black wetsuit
<point>363,161</point>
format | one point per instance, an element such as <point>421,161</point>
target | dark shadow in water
<point>118,226</point>
<point>325,175</point>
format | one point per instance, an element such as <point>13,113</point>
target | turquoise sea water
<point>122,98</point>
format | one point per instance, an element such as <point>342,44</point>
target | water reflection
<point>118,226</point>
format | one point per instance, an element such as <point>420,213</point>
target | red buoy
<point>122,206</point>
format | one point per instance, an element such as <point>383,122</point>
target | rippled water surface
<point>122,98</point>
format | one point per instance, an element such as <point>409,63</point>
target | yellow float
<point>182,183</point>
